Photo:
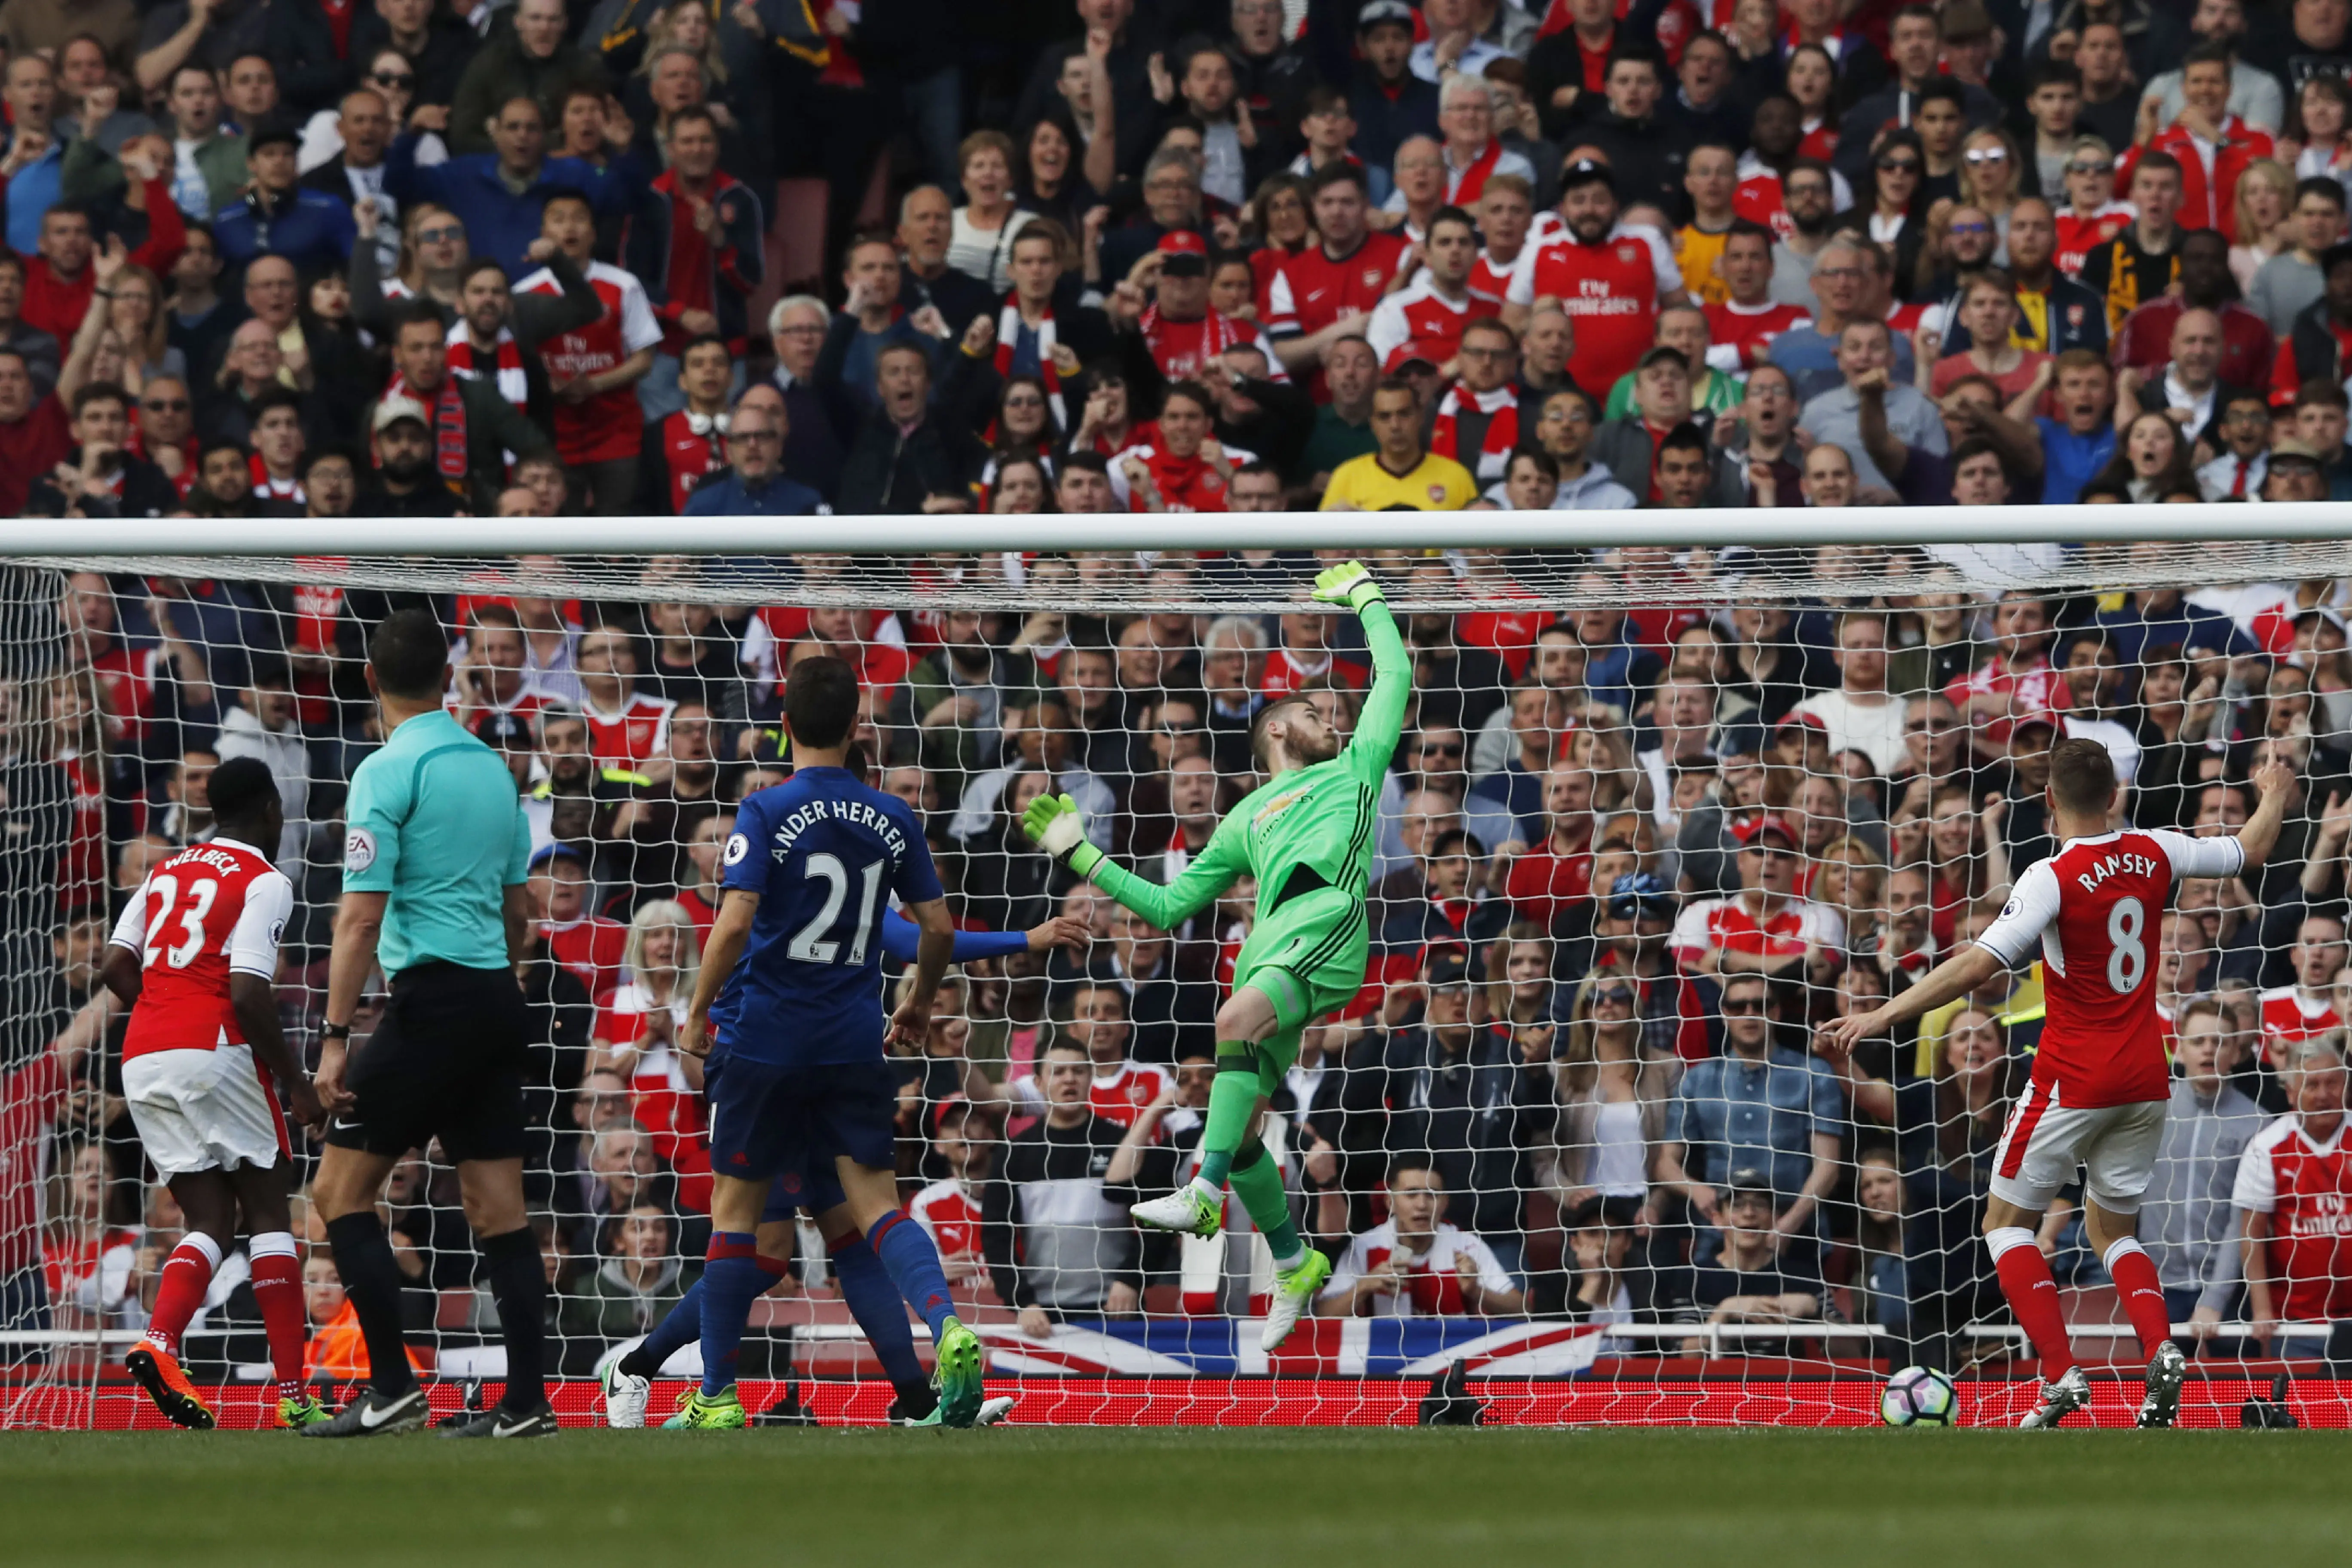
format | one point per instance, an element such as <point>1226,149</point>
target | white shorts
<point>202,1111</point>
<point>2044,1141</point>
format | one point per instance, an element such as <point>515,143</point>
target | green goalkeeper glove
<point>1055,824</point>
<point>1347,583</point>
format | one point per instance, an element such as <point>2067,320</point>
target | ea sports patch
<point>358,851</point>
<point>737,847</point>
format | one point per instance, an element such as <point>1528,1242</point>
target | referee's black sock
<point>518,1287</point>
<point>372,1279</point>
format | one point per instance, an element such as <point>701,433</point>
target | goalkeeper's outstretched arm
<point>1381,722</point>
<point>1054,825</point>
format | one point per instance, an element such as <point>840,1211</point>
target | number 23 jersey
<point>824,853</point>
<point>2097,908</point>
<point>213,909</point>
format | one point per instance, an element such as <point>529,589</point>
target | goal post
<point>1675,790</point>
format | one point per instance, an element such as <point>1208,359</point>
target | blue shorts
<point>788,1124</point>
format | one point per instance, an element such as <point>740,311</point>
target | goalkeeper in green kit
<point>1307,834</point>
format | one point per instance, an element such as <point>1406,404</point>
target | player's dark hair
<point>821,701</point>
<point>2081,776</point>
<point>1266,715</point>
<point>409,655</point>
<point>242,790</point>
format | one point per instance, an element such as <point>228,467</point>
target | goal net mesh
<point>1657,817</point>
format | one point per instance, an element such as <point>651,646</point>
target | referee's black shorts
<point>446,1062</point>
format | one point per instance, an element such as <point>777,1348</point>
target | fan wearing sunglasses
<point>1758,1107</point>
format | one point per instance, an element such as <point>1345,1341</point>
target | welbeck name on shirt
<point>852,811</point>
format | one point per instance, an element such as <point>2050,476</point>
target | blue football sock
<point>731,1281</point>
<point>671,1335</point>
<point>874,1302</point>
<point>906,1250</point>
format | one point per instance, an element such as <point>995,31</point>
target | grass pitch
<point>1201,1498</point>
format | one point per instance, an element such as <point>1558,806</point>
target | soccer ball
<point>1917,1396</point>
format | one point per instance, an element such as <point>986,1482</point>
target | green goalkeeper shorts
<point>1307,958</point>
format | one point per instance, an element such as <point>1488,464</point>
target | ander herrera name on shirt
<point>856,813</point>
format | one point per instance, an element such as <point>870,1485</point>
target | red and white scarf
<point>265,488</point>
<point>1008,335</point>
<point>450,458</point>
<point>1218,332</point>
<point>1502,408</point>
<point>464,357</point>
<point>1464,189</point>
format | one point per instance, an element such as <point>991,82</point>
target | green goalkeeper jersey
<point>1311,826</point>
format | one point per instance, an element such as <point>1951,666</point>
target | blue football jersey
<point>824,853</point>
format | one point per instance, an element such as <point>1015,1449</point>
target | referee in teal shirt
<point>436,855</point>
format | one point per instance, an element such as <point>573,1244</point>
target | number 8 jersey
<point>2097,906</point>
<point>823,852</point>
<point>210,911</point>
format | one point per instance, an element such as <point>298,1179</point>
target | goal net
<point>1665,806</point>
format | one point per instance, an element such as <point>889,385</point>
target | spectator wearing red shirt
<point>1549,879</point>
<point>2016,682</point>
<point>31,1096</point>
<point>591,946</point>
<point>1182,468</point>
<point>2293,1188</point>
<point>2144,338</point>
<point>1327,291</point>
<point>593,371</point>
<point>680,449</point>
<point>60,279</point>
<point>625,726</point>
<point>1117,1087</point>
<point>1304,654</point>
<point>34,434</point>
<point>698,246</point>
<point>1608,282</point>
<point>2213,145</point>
<point>1764,927</point>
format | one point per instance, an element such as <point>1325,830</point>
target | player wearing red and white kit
<point>195,954</point>
<point>1609,286</point>
<point>2101,1083</point>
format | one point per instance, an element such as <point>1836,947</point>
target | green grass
<point>1202,1498</point>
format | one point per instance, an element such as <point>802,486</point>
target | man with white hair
<point>1471,151</point>
<point>814,413</point>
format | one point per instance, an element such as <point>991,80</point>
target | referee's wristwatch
<point>335,1031</point>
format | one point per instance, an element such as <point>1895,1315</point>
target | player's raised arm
<point>1955,977</point>
<point>2274,780</point>
<point>1381,722</point>
<point>1054,825</point>
<point>912,1020</point>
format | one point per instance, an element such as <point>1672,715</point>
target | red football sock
<point>278,1291</point>
<point>2133,1272</point>
<point>186,1273</point>
<point>2032,1293</point>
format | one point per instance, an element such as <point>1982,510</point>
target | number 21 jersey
<point>2097,907</point>
<point>824,853</point>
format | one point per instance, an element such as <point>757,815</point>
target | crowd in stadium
<point>410,258</point>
